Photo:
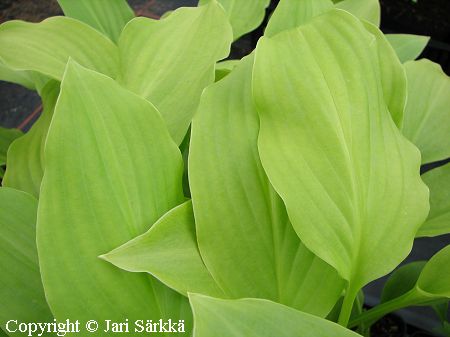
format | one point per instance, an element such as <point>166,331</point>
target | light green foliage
<point>293,13</point>
<point>414,284</point>
<point>438,221</point>
<point>7,136</point>
<point>244,15</point>
<point>45,47</point>
<point>243,232</point>
<point>427,115</point>
<point>107,16</point>
<point>368,10</point>
<point>349,179</point>
<point>169,251</point>
<point>408,47</point>
<point>21,292</point>
<point>402,280</point>
<point>224,68</point>
<point>173,83</point>
<point>107,179</point>
<point>257,318</point>
<point>25,157</point>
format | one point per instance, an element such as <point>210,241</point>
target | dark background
<point>20,107</point>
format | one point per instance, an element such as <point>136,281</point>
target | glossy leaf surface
<point>427,115</point>
<point>189,42</point>
<point>244,15</point>
<point>257,318</point>
<point>25,156</point>
<point>21,292</point>
<point>107,178</point>
<point>45,47</point>
<point>107,16</point>
<point>438,221</point>
<point>407,46</point>
<point>349,179</point>
<point>244,235</point>
<point>169,252</point>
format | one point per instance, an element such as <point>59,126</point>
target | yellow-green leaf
<point>407,46</point>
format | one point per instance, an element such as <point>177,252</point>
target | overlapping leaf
<point>107,178</point>
<point>25,156</point>
<point>427,114</point>
<point>244,15</point>
<point>21,293</point>
<point>438,221</point>
<point>243,232</point>
<point>169,251</point>
<point>408,47</point>
<point>171,61</point>
<point>293,13</point>
<point>45,47</point>
<point>349,179</point>
<point>107,16</point>
<point>417,283</point>
<point>7,136</point>
<point>368,10</point>
<point>257,318</point>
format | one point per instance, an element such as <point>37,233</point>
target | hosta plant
<point>164,188</point>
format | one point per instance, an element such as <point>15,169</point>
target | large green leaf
<point>107,16</point>
<point>45,47</point>
<point>427,115</point>
<point>25,157</point>
<point>21,292</point>
<point>171,61</point>
<point>408,47</point>
<point>243,232</point>
<point>169,252</point>
<point>29,79</point>
<point>414,284</point>
<point>111,170</point>
<point>349,179</point>
<point>438,221</point>
<point>244,15</point>
<point>293,13</point>
<point>257,318</point>
<point>364,9</point>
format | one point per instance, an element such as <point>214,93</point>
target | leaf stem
<point>372,315</point>
<point>347,305</point>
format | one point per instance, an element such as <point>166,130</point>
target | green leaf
<point>169,252</point>
<point>21,290</point>
<point>393,77</point>
<point>108,17</point>
<point>408,47</point>
<point>45,47</point>
<point>427,116</point>
<point>349,179</point>
<point>18,77</point>
<point>107,178</point>
<point>224,68</point>
<point>438,221</point>
<point>363,9</point>
<point>257,318</point>
<point>25,157</point>
<point>243,232</point>
<point>7,136</point>
<point>294,13</point>
<point>414,284</point>
<point>435,276</point>
<point>189,42</point>
<point>243,15</point>
<point>402,280</point>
